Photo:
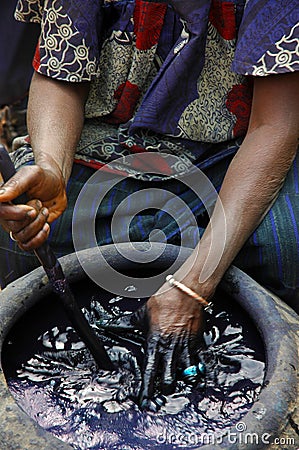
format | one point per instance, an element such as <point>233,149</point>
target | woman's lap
<point>271,255</point>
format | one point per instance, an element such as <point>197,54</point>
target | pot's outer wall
<point>277,323</point>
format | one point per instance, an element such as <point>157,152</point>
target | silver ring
<point>11,237</point>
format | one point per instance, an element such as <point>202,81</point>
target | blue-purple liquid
<point>54,379</point>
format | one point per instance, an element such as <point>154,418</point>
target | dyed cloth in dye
<point>53,378</point>
<point>172,78</point>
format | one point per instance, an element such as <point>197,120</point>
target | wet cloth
<point>174,78</point>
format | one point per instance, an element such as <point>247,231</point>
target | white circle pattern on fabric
<point>58,36</point>
<point>286,55</point>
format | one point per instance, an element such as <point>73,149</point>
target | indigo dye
<point>53,377</point>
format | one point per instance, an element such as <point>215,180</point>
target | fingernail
<point>149,405</point>
<point>38,204</point>
<point>32,214</point>
<point>161,401</point>
<point>2,191</point>
<point>46,227</point>
<point>45,212</point>
<point>153,407</point>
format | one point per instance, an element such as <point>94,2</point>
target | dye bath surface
<point>54,379</point>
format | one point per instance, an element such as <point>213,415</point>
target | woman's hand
<point>174,339</point>
<point>172,324</point>
<point>26,223</point>
<point>29,223</point>
<point>55,119</point>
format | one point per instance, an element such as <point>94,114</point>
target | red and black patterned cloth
<point>172,77</point>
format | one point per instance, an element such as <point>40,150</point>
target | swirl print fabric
<point>173,68</point>
<point>174,78</point>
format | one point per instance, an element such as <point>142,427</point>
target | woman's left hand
<point>172,323</point>
<point>174,339</point>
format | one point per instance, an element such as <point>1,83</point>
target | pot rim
<point>276,322</point>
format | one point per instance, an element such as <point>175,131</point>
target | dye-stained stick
<point>59,282</point>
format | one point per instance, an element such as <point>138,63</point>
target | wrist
<point>205,289</point>
<point>49,164</point>
<point>195,275</point>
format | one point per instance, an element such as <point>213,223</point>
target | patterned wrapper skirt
<point>270,256</point>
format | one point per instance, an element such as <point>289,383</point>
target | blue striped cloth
<point>271,255</point>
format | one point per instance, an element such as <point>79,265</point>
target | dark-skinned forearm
<point>252,183</point>
<point>253,179</point>
<point>55,120</point>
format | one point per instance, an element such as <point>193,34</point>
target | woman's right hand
<point>29,223</point>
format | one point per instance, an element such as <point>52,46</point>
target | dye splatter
<point>59,386</point>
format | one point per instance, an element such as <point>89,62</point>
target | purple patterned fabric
<point>87,20</point>
<point>270,28</point>
<point>161,110</point>
<point>166,75</point>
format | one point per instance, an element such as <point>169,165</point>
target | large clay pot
<point>276,323</point>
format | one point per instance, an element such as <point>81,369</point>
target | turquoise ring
<point>194,371</point>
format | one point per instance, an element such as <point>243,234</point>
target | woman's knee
<point>271,255</point>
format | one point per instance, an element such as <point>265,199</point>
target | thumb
<point>19,184</point>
